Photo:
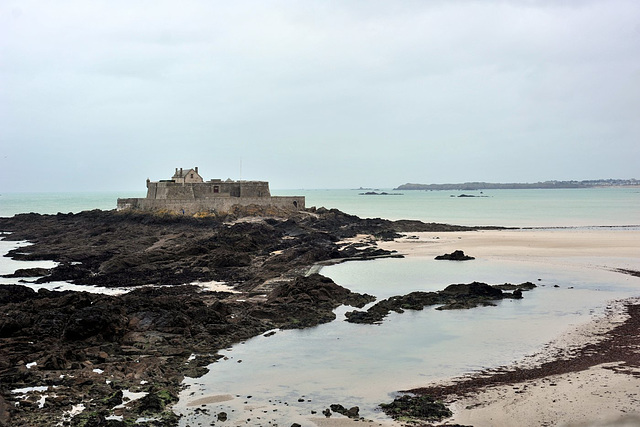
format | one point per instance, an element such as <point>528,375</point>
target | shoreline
<point>216,319</point>
<point>590,373</point>
<point>148,340</point>
<point>598,249</point>
<point>591,381</point>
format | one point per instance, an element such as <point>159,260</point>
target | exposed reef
<point>466,195</point>
<point>382,193</point>
<point>115,249</point>
<point>455,256</point>
<point>94,348</point>
<point>460,296</point>
<point>90,347</point>
<point>416,409</point>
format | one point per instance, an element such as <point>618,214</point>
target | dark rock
<point>455,256</point>
<point>308,301</point>
<point>420,407</point>
<point>338,408</point>
<point>115,399</point>
<point>316,289</point>
<point>15,294</point>
<point>94,320</point>
<point>149,333</point>
<point>92,419</point>
<point>475,289</point>
<point>510,287</point>
<point>222,416</point>
<point>457,296</point>
<point>351,412</point>
<point>29,272</point>
<point>56,362</point>
<point>382,193</point>
<point>4,412</point>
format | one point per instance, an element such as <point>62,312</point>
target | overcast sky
<point>100,95</point>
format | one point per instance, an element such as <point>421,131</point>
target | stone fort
<point>186,192</point>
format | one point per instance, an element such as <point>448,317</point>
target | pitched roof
<point>183,172</point>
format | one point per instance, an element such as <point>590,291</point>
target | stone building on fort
<point>186,192</point>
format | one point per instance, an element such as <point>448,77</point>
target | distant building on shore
<point>187,192</point>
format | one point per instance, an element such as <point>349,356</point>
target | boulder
<point>455,256</point>
<point>421,407</point>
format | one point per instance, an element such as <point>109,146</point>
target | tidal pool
<point>286,377</point>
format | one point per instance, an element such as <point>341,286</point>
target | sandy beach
<point>611,247</point>
<point>588,376</point>
<point>599,395</point>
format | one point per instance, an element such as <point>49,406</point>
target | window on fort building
<point>216,189</point>
<point>191,176</point>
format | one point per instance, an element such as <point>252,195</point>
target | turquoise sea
<point>291,373</point>
<point>520,208</point>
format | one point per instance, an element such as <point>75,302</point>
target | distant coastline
<point>519,186</point>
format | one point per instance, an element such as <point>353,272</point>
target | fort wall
<point>179,195</point>
<point>205,190</point>
<point>192,206</point>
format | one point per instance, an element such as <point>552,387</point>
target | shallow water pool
<point>296,372</point>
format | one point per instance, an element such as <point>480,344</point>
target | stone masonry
<point>186,192</point>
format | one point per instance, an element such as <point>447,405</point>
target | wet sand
<point>599,395</point>
<point>493,400</point>
<point>597,383</point>
<point>588,376</point>
<point>605,244</point>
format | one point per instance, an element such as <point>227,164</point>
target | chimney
<point>196,169</point>
<point>176,171</point>
<point>180,171</point>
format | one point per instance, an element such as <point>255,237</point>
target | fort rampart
<point>218,204</point>
<point>216,195</point>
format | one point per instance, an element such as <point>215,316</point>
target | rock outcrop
<point>459,296</point>
<point>147,340</point>
<point>455,256</point>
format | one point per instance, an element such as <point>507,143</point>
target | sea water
<point>517,208</point>
<point>53,203</point>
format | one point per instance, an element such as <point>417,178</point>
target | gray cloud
<point>318,94</point>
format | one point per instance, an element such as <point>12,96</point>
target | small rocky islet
<point>91,350</point>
